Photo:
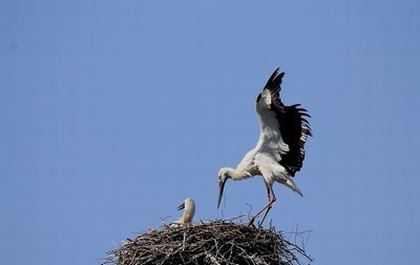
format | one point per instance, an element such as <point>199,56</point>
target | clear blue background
<point>112,112</point>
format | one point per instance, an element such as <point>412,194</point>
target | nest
<point>216,242</point>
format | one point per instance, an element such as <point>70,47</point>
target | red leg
<point>270,204</point>
<point>271,200</point>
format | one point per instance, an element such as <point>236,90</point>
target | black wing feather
<point>294,128</point>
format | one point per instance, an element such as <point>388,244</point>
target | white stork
<point>280,151</point>
<point>189,210</point>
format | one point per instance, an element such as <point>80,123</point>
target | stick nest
<point>214,242</point>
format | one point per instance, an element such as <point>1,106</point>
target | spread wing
<point>283,129</point>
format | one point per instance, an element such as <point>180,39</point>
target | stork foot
<point>260,223</point>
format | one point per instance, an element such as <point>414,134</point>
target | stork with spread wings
<point>280,149</point>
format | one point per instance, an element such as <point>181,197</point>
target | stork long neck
<point>238,174</point>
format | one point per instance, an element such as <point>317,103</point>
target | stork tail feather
<point>291,184</point>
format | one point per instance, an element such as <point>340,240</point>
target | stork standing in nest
<point>189,210</point>
<point>280,149</point>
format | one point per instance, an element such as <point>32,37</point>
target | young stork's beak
<point>182,206</point>
<point>221,188</point>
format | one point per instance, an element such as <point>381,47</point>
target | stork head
<point>188,203</point>
<point>224,174</point>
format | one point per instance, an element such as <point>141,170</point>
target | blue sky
<point>112,112</point>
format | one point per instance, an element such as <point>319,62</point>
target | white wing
<point>270,145</point>
<point>270,141</point>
